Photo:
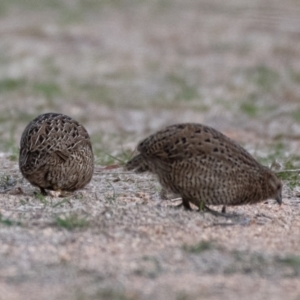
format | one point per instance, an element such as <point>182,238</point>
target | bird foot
<point>204,208</point>
<point>55,194</point>
<point>59,193</point>
<point>218,214</point>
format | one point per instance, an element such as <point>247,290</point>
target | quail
<point>205,167</point>
<point>56,154</point>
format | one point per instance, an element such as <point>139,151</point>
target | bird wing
<point>183,141</point>
<point>63,154</point>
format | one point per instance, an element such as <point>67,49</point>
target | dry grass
<point>125,69</point>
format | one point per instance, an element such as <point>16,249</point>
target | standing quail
<point>56,153</point>
<point>205,167</point>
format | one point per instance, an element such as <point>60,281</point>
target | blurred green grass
<point>135,55</point>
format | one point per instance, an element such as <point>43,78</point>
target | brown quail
<point>205,167</point>
<point>56,153</point>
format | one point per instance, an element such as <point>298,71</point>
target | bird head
<point>275,188</point>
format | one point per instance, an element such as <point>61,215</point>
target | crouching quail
<point>205,167</point>
<point>56,153</point>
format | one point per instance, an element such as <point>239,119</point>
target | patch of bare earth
<point>133,245</point>
<point>125,69</point>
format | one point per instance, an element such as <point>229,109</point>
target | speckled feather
<point>204,166</point>
<point>56,153</point>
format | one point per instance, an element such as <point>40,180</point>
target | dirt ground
<point>125,69</point>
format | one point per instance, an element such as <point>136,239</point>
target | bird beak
<point>279,199</point>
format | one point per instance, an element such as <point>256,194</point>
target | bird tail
<point>138,164</point>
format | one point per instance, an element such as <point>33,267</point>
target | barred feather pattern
<point>56,153</point>
<point>204,166</point>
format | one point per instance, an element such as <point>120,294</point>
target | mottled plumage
<point>205,167</point>
<point>56,153</point>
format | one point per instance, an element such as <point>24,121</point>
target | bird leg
<point>204,208</point>
<point>43,192</point>
<point>185,203</point>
